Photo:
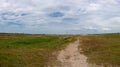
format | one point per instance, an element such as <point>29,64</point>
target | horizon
<point>56,34</point>
<point>60,16</point>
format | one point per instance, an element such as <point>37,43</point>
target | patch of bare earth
<point>71,57</point>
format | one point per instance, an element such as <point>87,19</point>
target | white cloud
<point>96,15</point>
<point>90,28</point>
<point>106,29</point>
<point>93,7</point>
<point>115,20</point>
<point>111,2</point>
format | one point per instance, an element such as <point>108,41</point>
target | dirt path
<point>71,57</point>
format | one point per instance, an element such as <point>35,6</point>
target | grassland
<point>103,49</point>
<point>26,50</point>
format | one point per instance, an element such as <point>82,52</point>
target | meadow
<point>102,49</point>
<point>40,50</point>
<point>29,50</point>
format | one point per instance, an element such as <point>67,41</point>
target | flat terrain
<point>103,49</point>
<point>71,57</point>
<point>25,50</point>
<point>29,50</point>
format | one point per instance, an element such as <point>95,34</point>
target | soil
<point>71,56</point>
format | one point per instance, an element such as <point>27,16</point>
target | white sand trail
<point>71,57</point>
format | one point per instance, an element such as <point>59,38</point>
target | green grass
<point>25,50</point>
<point>102,49</point>
<point>42,41</point>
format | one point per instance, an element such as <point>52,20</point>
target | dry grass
<point>102,49</point>
<point>25,50</point>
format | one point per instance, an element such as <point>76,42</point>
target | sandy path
<point>71,57</point>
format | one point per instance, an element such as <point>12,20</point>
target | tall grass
<point>102,49</point>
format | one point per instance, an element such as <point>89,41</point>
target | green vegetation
<point>25,50</point>
<point>102,49</point>
<point>42,41</point>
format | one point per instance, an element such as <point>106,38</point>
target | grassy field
<point>28,50</point>
<point>25,50</point>
<point>103,49</point>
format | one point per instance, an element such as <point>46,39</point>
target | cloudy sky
<point>60,16</point>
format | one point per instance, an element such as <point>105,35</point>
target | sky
<point>60,16</point>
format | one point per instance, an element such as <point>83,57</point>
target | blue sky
<point>60,16</point>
